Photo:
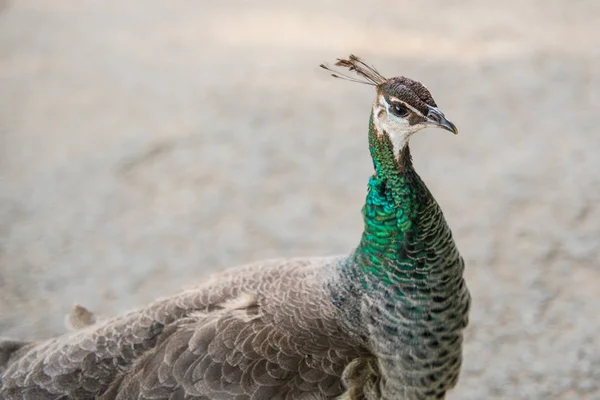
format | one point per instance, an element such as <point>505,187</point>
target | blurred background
<point>145,144</point>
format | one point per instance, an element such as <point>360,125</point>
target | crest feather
<point>370,75</point>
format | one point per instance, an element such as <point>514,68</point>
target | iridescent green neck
<point>395,199</point>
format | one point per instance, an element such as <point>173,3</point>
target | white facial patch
<point>397,128</point>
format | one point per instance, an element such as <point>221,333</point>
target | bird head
<point>402,106</point>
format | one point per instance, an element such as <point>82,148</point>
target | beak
<point>437,118</point>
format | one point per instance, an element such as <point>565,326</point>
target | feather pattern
<point>263,331</point>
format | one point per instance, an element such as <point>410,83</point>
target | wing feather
<point>263,331</point>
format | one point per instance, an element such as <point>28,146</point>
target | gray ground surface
<point>145,144</point>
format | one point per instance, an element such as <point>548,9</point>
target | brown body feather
<point>264,331</point>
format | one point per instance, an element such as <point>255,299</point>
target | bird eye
<point>399,110</point>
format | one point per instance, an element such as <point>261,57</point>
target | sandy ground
<point>145,144</point>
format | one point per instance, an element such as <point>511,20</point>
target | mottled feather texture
<point>384,322</point>
<point>264,331</point>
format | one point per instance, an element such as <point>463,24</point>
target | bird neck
<point>401,292</point>
<point>396,203</point>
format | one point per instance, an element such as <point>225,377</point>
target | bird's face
<point>403,107</point>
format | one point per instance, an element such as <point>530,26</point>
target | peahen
<point>384,322</point>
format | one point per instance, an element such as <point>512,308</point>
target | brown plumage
<point>264,331</point>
